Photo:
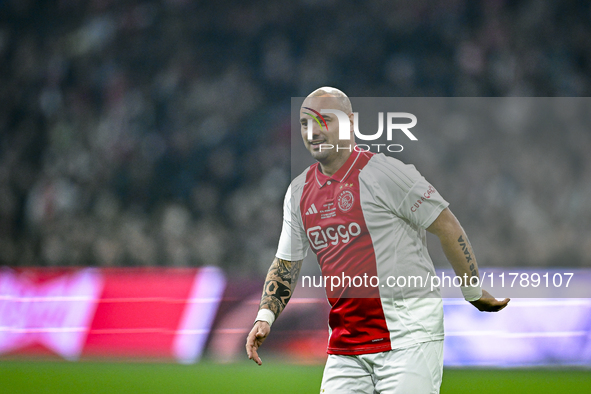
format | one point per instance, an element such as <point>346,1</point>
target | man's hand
<point>255,339</point>
<point>488,303</point>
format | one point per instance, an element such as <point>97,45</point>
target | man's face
<point>325,137</point>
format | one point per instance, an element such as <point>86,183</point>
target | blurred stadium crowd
<point>157,132</point>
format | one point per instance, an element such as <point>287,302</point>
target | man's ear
<point>352,123</point>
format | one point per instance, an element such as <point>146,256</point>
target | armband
<point>265,315</point>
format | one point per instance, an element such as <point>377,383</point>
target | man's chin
<point>320,155</point>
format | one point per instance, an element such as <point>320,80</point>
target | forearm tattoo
<point>469,254</point>
<point>279,284</point>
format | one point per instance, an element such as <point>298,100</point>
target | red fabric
<point>339,236</point>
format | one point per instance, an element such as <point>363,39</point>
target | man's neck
<point>330,168</point>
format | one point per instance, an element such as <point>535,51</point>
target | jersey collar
<point>342,172</point>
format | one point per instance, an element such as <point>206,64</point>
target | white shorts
<point>417,369</point>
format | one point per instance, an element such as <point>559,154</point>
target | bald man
<point>364,215</point>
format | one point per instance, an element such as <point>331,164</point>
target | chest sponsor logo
<point>345,200</point>
<point>320,238</point>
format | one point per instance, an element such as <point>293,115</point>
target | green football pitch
<point>38,377</point>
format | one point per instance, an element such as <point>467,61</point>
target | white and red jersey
<point>368,219</point>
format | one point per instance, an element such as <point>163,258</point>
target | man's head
<point>325,128</point>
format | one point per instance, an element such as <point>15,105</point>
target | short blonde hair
<point>334,92</point>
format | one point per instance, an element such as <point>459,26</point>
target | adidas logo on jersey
<point>312,210</point>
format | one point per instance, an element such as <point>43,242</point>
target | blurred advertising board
<point>182,315</point>
<point>127,312</point>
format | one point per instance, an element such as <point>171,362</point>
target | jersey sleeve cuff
<point>289,257</point>
<point>435,214</point>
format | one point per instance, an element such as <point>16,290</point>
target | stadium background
<point>157,134</point>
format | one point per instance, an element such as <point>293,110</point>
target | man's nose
<point>317,129</point>
<point>314,128</point>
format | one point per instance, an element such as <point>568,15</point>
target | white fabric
<point>265,315</point>
<point>402,190</point>
<point>471,293</point>
<point>293,244</point>
<point>398,204</point>
<point>417,369</point>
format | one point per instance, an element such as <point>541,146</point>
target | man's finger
<point>503,303</point>
<point>250,340</point>
<point>498,305</point>
<point>252,344</point>
<point>253,355</point>
<point>257,359</point>
<point>249,347</point>
<point>251,351</point>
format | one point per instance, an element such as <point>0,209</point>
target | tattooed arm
<point>279,286</point>
<point>458,251</point>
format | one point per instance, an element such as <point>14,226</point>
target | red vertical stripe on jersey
<point>339,236</point>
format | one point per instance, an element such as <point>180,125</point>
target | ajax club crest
<point>345,200</point>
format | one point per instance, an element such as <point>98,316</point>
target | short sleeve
<point>407,193</point>
<point>293,244</point>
